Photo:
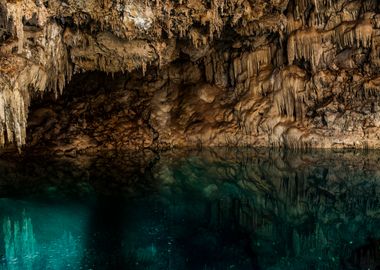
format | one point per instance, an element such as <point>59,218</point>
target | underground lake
<point>219,208</point>
<point>189,134</point>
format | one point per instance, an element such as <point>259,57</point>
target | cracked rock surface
<point>296,73</point>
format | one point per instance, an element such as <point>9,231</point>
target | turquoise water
<point>209,209</point>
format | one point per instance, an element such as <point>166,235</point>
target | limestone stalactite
<point>305,65</point>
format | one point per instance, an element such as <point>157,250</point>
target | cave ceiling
<point>265,73</point>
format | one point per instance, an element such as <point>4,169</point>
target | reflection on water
<point>38,238</point>
<point>19,243</point>
<point>210,209</point>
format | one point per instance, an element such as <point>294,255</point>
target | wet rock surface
<point>295,73</point>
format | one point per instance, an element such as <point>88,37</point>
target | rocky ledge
<point>185,73</point>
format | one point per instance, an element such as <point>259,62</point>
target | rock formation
<point>293,73</point>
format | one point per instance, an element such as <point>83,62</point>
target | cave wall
<point>297,73</point>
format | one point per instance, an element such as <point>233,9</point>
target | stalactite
<point>371,88</point>
<point>169,23</point>
<point>212,18</point>
<point>292,24</point>
<point>121,35</point>
<point>363,34</point>
<point>15,13</point>
<point>13,116</point>
<point>354,35</point>
<point>247,66</point>
<point>289,91</point>
<point>258,59</point>
<point>14,94</point>
<point>216,23</point>
<point>301,6</point>
<point>307,45</point>
<point>216,69</point>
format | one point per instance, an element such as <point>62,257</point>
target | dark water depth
<point>209,209</point>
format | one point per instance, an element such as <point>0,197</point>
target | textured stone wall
<point>297,73</point>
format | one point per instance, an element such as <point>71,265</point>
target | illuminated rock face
<point>297,73</point>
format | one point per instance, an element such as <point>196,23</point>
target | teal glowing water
<point>214,209</point>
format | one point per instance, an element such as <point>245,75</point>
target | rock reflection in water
<point>39,235</point>
<point>209,209</point>
<point>19,243</point>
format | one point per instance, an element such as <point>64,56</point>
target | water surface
<point>209,209</point>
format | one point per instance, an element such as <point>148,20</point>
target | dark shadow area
<point>367,256</point>
<point>106,231</point>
